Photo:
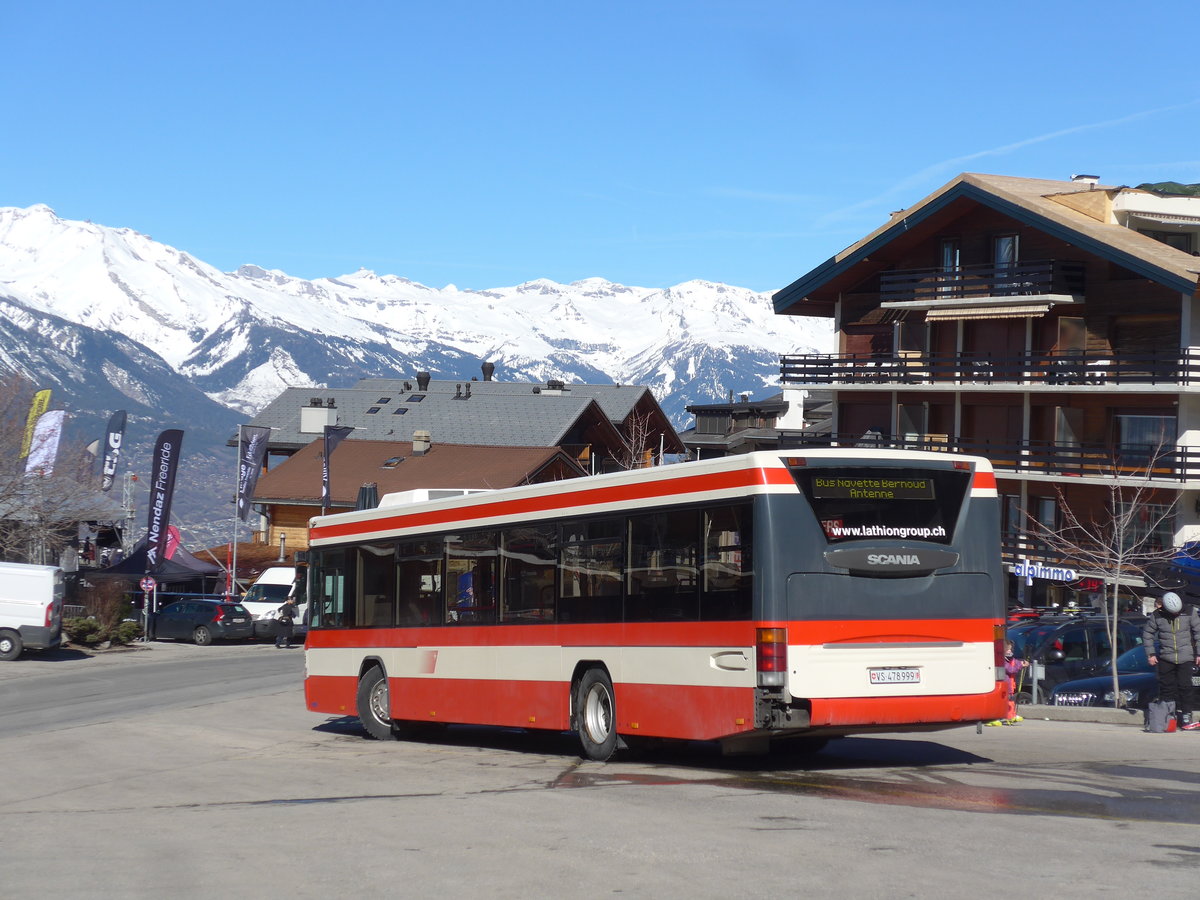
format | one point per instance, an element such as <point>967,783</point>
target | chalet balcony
<point>1165,367</point>
<point>1042,277</point>
<point>1132,461</point>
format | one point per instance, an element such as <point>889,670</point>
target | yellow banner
<point>41,402</point>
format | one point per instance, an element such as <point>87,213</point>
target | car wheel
<point>374,710</point>
<point>202,636</point>
<point>10,645</point>
<point>596,715</point>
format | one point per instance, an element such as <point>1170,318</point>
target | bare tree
<point>1118,543</point>
<point>639,434</point>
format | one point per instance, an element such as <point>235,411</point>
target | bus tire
<point>596,715</point>
<point>10,645</point>
<point>373,709</point>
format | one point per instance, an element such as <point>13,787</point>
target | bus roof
<point>712,480</point>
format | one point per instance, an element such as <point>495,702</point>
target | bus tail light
<point>772,656</point>
<point>998,640</point>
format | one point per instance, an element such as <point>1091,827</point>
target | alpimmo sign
<point>1029,571</point>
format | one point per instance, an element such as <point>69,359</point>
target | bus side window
<point>661,575</point>
<point>471,577</point>
<point>728,576</point>
<point>376,585</point>
<point>529,557</point>
<point>419,590</point>
<point>590,561</point>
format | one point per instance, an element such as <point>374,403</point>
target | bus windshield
<point>863,502</point>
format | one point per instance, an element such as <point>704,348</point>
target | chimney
<point>458,391</point>
<point>489,369</point>
<point>421,443</point>
<point>422,381</point>
<point>315,416</point>
<point>467,393</point>
<point>330,404</point>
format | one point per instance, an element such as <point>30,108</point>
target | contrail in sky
<point>906,185</point>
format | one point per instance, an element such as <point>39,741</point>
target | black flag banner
<point>252,450</point>
<point>112,449</point>
<point>334,435</point>
<point>162,486</point>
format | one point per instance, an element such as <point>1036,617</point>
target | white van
<point>31,602</point>
<point>267,594</point>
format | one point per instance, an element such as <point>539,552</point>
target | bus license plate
<point>895,676</point>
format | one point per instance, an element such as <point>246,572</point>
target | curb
<point>1101,714</point>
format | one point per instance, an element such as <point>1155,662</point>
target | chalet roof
<point>1039,203</point>
<point>617,400</point>
<point>298,478</point>
<point>517,420</point>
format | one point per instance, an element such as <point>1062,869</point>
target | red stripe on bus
<point>654,634</point>
<point>983,481</point>
<point>563,500</point>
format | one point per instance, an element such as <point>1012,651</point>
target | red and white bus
<point>771,596</point>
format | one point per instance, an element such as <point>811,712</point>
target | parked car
<point>31,602</point>
<point>1137,683</point>
<point>1067,648</point>
<point>204,621</point>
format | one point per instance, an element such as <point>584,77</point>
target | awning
<point>1028,311</point>
<point>1166,218</point>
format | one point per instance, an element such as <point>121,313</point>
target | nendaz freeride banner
<point>112,449</point>
<point>164,465</point>
<point>334,435</point>
<point>252,450</point>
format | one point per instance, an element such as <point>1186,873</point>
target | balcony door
<point>1004,260</point>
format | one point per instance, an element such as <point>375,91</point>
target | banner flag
<point>164,466</point>
<point>43,448</point>
<point>252,450</point>
<point>112,449</point>
<point>41,402</point>
<point>334,435</point>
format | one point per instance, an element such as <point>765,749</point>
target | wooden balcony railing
<point>1032,277</point>
<point>1136,461</point>
<point>1176,367</point>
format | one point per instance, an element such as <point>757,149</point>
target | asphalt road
<point>210,779</point>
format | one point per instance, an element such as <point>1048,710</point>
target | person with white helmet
<point>1171,637</point>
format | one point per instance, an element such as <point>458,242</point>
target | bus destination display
<point>872,488</point>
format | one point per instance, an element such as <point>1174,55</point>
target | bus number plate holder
<point>895,676</point>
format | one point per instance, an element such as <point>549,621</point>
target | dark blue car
<point>1138,684</point>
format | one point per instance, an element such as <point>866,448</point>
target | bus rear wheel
<point>596,715</point>
<point>374,710</point>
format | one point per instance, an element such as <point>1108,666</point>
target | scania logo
<point>899,562</point>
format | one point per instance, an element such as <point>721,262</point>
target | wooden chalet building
<point>1052,326</point>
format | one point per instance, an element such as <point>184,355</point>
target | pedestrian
<point>1171,637</point>
<point>284,622</point>
<point>1012,666</point>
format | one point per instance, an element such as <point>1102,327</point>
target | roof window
<point>373,410</point>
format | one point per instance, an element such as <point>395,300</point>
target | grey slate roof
<point>517,420</point>
<point>617,400</point>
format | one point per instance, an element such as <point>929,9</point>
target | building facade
<point>1053,327</point>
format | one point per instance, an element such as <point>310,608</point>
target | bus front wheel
<point>596,715</point>
<point>373,709</point>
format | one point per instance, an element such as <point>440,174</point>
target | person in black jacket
<point>1171,637</point>
<point>284,622</point>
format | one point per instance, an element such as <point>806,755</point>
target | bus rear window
<point>869,502</point>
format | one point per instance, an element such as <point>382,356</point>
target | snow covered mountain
<point>108,318</point>
<point>240,337</point>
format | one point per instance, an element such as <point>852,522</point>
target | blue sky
<point>646,142</point>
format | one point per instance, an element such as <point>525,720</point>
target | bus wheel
<point>10,645</point>
<point>596,714</point>
<point>373,709</point>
